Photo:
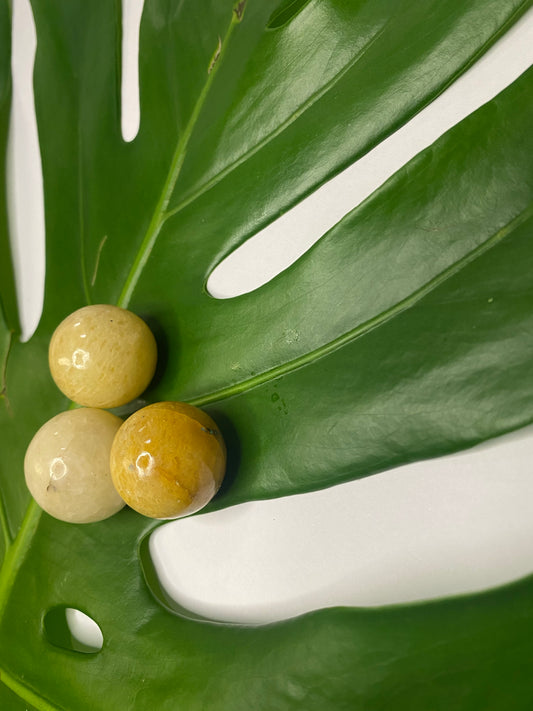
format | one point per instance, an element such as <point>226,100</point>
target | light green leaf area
<point>406,332</point>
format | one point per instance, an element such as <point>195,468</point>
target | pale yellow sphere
<point>102,356</point>
<point>67,466</point>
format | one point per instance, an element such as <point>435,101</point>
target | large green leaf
<point>408,327</point>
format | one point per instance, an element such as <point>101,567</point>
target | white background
<point>461,523</point>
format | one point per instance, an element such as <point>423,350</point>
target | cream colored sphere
<point>102,356</point>
<point>67,466</point>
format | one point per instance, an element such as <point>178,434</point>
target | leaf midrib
<point>160,214</point>
<point>305,106</point>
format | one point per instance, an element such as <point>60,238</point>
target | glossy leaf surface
<point>406,332</point>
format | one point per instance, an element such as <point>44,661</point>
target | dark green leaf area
<point>290,90</point>
<point>5,53</point>
<point>448,206</point>
<point>286,10</point>
<point>101,194</point>
<point>296,104</point>
<point>451,370</point>
<point>437,655</point>
<point>100,197</point>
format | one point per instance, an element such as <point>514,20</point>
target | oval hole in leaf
<point>284,13</point>
<point>130,106</point>
<point>25,181</point>
<point>281,243</point>
<point>70,628</point>
<point>456,524</point>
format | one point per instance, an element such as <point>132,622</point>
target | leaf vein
<point>15,555</point>
<point>205,187</point>
<point>26,693</point>
<point>159,215</point>
<point>372,323</point>
<point>316,96</point>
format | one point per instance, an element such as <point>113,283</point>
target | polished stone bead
<point>168,460</point>
<point>67,466</point>
<point>102,356</point>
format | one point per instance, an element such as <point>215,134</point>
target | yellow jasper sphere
<point>168,460</point>
<point>102,356</point>
<point>67,466</point>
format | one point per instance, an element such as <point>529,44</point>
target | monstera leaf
<point>406,332</point>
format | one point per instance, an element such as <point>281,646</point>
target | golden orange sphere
<point>168,460</point>
<point>102,356</point>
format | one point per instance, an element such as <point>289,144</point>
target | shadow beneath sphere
<point>233,447</point>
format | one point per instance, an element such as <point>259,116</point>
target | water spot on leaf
<point>291,336</point>
<point>70,628</point>
<point>283,407</point>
